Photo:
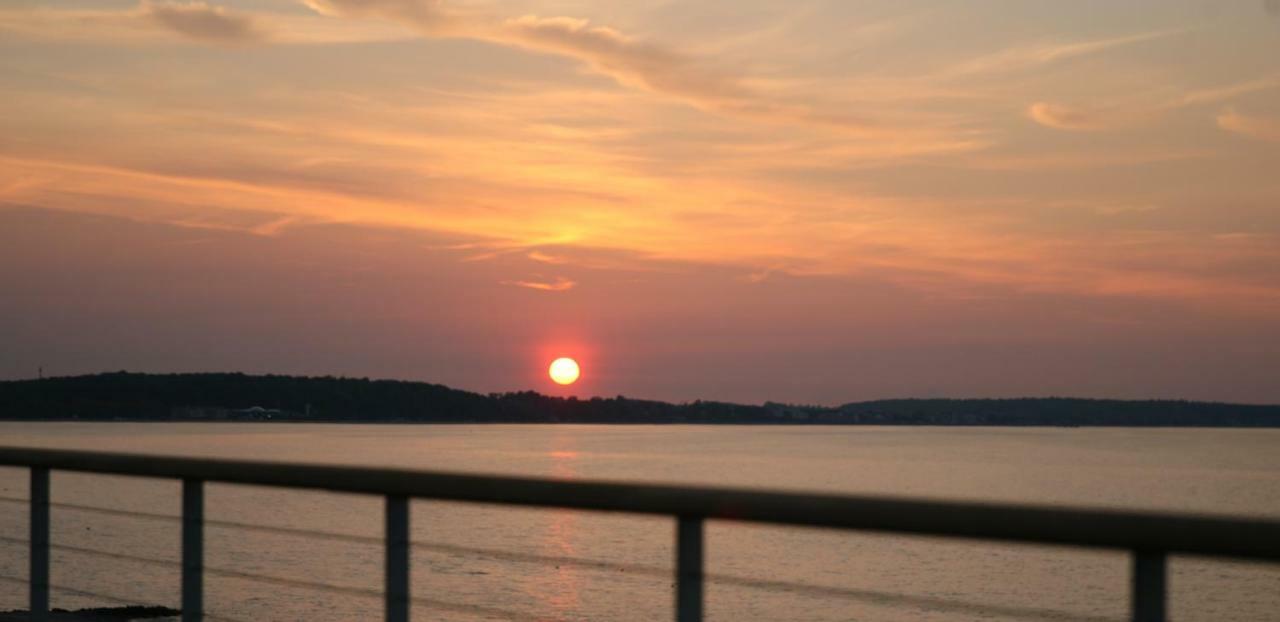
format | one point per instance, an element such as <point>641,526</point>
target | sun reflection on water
<point>558,586</point>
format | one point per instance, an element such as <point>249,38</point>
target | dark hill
<point>240,397</point>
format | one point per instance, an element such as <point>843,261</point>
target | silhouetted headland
<point>123,396</point>
<point>96,614</point>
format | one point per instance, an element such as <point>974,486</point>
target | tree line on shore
<point>123,396</point>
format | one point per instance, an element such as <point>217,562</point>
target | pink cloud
<point>560,284</point>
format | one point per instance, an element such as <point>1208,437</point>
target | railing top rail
<point>1153,531</point>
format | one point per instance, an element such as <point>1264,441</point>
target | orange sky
<point>749,200</point>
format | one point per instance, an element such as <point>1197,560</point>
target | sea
<point>317,556</point>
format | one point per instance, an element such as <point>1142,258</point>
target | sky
<point>810,202</point>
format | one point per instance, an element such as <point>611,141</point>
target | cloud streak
<point>166,21</point>
<point>1257,128</point>
<point>560,284</point>
<point>1061,117</point>
<point>1027,57</point>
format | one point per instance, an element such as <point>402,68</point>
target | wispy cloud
<point>1082,118</point>
<point>275,227</point>
<point>1223,93</point>
<point>1080,160</point>
<point>542,257</point>
<point>543,170</point>
<point>626,59</point>
<point>202,21</point>
<point>1031,56</point>
<point>1258,128</point>
<point>168,21</point>
<point>1062,117</point>
<point>560,284</point>
<point>763,275</point>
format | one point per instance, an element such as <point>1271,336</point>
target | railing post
<point>38,579</point>
<point>192,550</point>
<point>397,579</point>
<point>1148,586</point>
<point>689,564</point>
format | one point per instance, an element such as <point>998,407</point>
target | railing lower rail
<point>1149,536</point>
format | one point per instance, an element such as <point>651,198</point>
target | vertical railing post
<point>689,562</point>
<point>397,579</point>
<point>192,550</point>
<point>1149,586</point>
<point>38,579</point>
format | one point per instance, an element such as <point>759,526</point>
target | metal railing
<point>1150,537</point>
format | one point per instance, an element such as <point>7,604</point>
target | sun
<point>564,370</point>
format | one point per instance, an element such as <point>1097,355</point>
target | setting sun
<point>564,370</point>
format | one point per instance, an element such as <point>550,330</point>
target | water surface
<point>476,562</point>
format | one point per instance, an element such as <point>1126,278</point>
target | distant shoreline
<point>241,398</point>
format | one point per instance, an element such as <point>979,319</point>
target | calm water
<point>487,563</point>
